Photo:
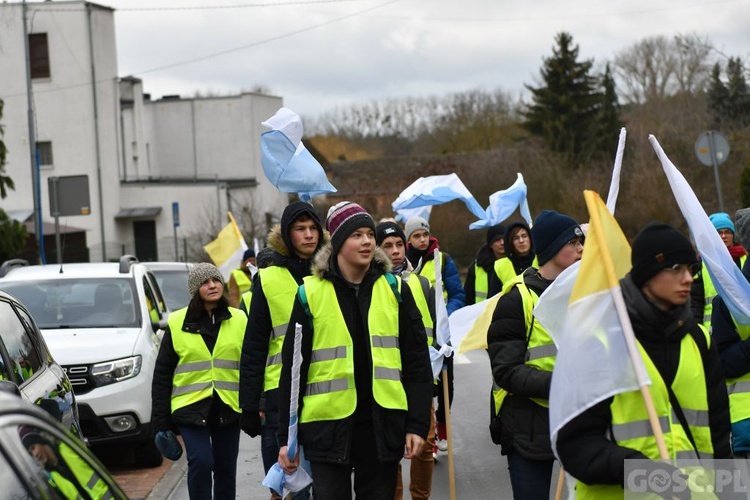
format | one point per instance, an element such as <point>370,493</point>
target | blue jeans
<point>212,460</point>
<point>269,448</point>
<point>530,479</point>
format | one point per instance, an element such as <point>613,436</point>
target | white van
<point>103,323</point>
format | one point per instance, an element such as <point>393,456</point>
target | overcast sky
<point>321,54</point>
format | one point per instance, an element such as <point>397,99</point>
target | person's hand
<point>250,422</point>
<point>413,446</point>
<point>285,463</point>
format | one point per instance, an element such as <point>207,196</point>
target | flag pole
<point>560,484</point>
<point>627,327</point>
<point>446,399</point>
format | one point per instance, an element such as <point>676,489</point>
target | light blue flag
<point>503,203</point>
<point>436,190</point>
<point>405,214</point>
<point>727,278</point>
<point>277,479</point>
<point>287,163</point>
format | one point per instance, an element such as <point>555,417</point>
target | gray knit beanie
<point>199,274</point>
<point>742,223</point>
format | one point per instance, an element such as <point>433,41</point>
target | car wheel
<point>147,454</point>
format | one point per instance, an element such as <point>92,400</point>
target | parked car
<point>40,460</point>
<point>26,361</point>
<point>172,278</point>
<point>103,323</point>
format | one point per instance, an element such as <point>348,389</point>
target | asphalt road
<point>479,469</point>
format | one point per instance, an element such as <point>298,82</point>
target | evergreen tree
<point>738,94</point>
<point>606,127</point>
<point>718,96</point>
<point>565,107</point>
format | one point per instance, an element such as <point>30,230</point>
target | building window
<point>39,55</point>
<point>44,149</point>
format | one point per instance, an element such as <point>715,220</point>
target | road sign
<point>711,148</point>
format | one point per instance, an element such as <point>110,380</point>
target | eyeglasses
<point>575,242</point>
<point>725,232</point>
<point>680,269</point>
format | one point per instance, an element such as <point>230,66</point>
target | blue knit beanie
<point>550,232</point>
<point>721,220</point>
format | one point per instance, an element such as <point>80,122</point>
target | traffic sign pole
<point>712,149</point>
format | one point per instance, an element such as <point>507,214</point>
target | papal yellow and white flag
<point>595,340</point>
<point>227,249</point>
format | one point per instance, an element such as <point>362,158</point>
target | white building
<point>140,156</point>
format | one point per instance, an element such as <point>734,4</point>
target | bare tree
<point>657,67</point>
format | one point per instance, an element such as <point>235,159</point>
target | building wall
<point>64,106</point>
<point>157,144</point>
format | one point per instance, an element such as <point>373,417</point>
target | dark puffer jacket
<point>259,329</point>
<point>584,444</point>
<point>197,322</point>
<point>525,424</point>
<point>332,440</point>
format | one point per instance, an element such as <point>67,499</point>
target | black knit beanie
<point>387,229</point>
<point>495,233</point>
<point>552,230</point>
<point>656,247</point>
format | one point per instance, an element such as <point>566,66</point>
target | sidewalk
<point>173,485</point>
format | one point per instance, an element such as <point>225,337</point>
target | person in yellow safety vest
<point>241,278</point>
<point>391,239</point>
<point>69,474</point>
<point>687,384</point>
<point>264,258</point>
<point>196,384</point>
<point>733,344</point>
<point>519,255</point>
<point>293,242</point>
<point>420,250</point>
<point>477,284</point>
<point>365,380</point>
<point>703,290</point>
<point>522,356</point>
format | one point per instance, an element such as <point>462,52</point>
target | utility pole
<point>32,142</point>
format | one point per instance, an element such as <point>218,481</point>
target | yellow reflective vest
<point>279,288</point>
<point>85,476</point>
<point>739,388</point>
<point>541,351</point>
<point>330,392</point>
<point>200,372</point>
<point>245,300</point>
<point>420,289</point>
<point>481,283</point>
<point>428,271</point>
<point>506,271</point>
<point>709,292</point>
<point>630,424</point>
<point>242,279</point>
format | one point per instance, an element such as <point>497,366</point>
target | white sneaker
<point>442,445</point>
<point>434,456</point>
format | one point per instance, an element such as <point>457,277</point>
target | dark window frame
<point>39,56</point>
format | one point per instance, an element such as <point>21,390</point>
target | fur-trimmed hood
<point>276,241</point>
<point>322,261</point>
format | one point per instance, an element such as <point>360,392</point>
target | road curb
<point>169,480</point>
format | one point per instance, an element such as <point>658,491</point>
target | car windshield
<point>78,303</point>
<point>174,287</point>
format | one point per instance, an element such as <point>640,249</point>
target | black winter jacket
<point>259,329</point>
<point>525,424</point>
<point>203,412</point>
<point>486,260</point>
<point>584,444</point>
<point>332,441</point>
<point>734,352</point>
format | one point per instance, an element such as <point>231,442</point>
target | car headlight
<point>116,371</point>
